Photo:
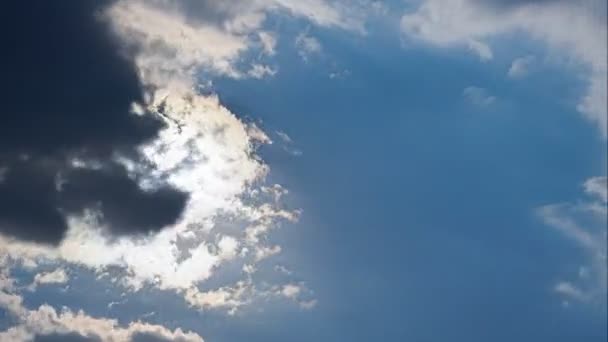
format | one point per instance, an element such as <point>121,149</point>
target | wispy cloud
<point>520,67</point>
<point>478,96</point>
<point>585,224</point>
<point>475,24</point>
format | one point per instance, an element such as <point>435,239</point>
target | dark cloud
<point>67,93</point>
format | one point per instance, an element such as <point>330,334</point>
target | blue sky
<point>439,180</point>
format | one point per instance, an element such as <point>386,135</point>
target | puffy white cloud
<point>261,71</point>
<point>45,320</point>
<point>574,29</point>
<point>291,291</point>
<point>597,186</point>
<point>57,276</point>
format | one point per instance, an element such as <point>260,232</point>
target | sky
<point>315,170</point>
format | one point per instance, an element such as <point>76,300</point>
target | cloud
<point>585,224</point>
<point>520,67</point>
<point>576,30</point>
<point>478,96</point>
<point>58,276</point>
<point>47,324</point>
<point>173,190</point>
<point>60,110</point>
<point>307,46</point>
<point>261,71</point>
<point>597,186</point>
<point>269,42</point>
<point>481,49</point>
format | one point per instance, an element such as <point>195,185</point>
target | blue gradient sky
<point>442,199</point>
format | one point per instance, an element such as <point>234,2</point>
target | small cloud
<point>58,276</point>
<point>307,46</point>
<point>478,96</point>
<point>520,67</point>
<point>584,225</point>
<point>268,41</point>
<point>286,138</point>
<point>308,304</point>
<point>260,71</point>
<point>288,144</point>
<point>597,186</point>
<point>291,291</point>
<point>481,49</point>
<point>339,74</point>
<point>282,269</point>
<point>569,290</point>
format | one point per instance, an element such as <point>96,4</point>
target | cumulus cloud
<point>63,165</point>
<point>574,29</point>
<point>57,276</point>
<point>47,324</point>
<point>159,184</point>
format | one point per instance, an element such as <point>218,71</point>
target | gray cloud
<point>69,90</point>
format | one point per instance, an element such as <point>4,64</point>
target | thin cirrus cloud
<point>584,224</point>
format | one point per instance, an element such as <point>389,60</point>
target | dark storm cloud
<point>67,90</point>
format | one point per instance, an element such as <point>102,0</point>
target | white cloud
<point>291,291</point>
<point>569,290</point>
<point>57,276</point>
<point>285,137</point>
<point>307,46</point>
<point>597,186</point>
<point>575,29</point>
<point>269,42</point>
<point>45,320</point>
<point>478,96</point>
<point>261,71</point>
<point>481,49</point>
<point>520,67</point>
<point>585,224</point>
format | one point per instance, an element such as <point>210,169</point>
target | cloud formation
<point>159,184</point>
<point>47,324</point>
<point>585,224</point>
<point>475,23</point>
<point>67,118</point>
